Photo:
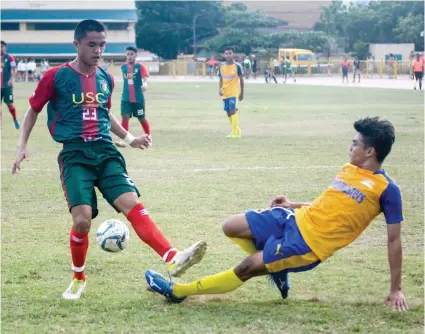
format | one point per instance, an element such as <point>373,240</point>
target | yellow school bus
<point>298,56</point>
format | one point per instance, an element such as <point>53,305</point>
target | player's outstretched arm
<point>29,121</point>
<point>283,202</point>
<point>142,141</point>
<point>395,255</point>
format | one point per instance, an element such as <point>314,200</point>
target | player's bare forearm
<point>283,202</point>
<point>116,127</point>
<point>395,255</point>
<point>14,73</point>
<point>29,121</point>
<point>297,205</point>
<point>242,83</point>
<point>220,86</point>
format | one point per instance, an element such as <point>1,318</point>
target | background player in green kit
<point>8,73</point>
<point>133,100</point>
<point>79,101</point>
<point>288,69</point>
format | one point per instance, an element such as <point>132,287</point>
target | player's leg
<point>121,192</point>
<point>237,229</point>
<point>252,229</point>
<point>224,282</point>
<point>415,79</point>
<point>126,113</point>
<point>78,186</point>
<point>8,99</point>
<point>420,80</point>
<point>287,253</point>
<point>226,107</point>
<point>234,118</point>
<point>141,116</point>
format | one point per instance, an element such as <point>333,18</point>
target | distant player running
<point>295,237</point>
<point>231,74</point>
<point>78,112</point>
<point>8,75</point>
<point>418,71</point>
<point>288,69</point>
<point>133,100</point>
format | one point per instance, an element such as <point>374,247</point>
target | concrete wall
<point>379,51</point>
<point>61,4</point>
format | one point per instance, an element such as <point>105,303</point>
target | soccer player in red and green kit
<point>8,73</point>
<point>78,94</point>
<point>133,100</point>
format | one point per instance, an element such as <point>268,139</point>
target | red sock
<point>146,126</point>
<point>12,111</point>
<point>124,124</point>
<point>79,244</point>
<point>149,233</point>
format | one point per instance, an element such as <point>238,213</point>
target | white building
<point>46,28</point>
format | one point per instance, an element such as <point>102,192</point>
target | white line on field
<point>220,169</point>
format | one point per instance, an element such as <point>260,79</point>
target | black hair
<point>229,48</point>
<point>87,26</point>
<point>131,48</point>
<point>378,133</point>
<point>3,43</point>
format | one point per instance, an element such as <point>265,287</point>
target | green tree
<point>166,27</point>
<point>311,40</point>
<point>240,29</point>
<point>409,29</point>
<point>373,22</point>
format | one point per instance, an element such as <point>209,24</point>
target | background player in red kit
<point>8,73</point>
<point>133,100</point>
<point>79,101</point>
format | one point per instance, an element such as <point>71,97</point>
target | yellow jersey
<point>343,211</point>
<point>230,75</point>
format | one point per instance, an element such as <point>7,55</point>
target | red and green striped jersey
<point>7,64</point>
<point>133,80</point>
<point>78,104</point>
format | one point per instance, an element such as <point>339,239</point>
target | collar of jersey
<point>365,171</point>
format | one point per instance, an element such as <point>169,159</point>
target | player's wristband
<point>129,138</point>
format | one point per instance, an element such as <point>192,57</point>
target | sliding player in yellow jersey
<point>295,237</point>
<point>231,74</point>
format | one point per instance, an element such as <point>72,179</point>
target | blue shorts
<point>345,72</point>
<point>229,104</point>
<point>276,233</point>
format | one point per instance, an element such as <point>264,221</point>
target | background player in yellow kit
<point>295,237</point>
<point>231,74</point>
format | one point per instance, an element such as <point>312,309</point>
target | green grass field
<point>294,140</point>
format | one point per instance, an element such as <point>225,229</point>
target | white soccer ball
<point>112,235</point>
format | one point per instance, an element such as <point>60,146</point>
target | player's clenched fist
<point>280,201</point>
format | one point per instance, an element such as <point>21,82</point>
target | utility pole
<point>194,34</point>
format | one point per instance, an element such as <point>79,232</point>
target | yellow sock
<point>247,245</point>
<point>238,129</point>
<point>219,283</point>
<point>231,121</point>
<point>235,123</point>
